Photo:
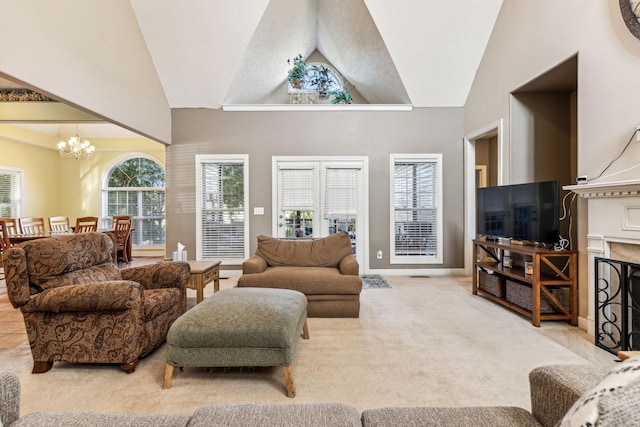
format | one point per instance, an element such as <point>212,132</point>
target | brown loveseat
<point>79,307</point>
<point>323,269</point>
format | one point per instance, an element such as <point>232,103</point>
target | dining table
<point>14,239</point>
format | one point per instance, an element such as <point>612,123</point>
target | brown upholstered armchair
<point>79,307</point>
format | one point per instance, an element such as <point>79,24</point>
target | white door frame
<point>362,235</point>
<point>470,182</point>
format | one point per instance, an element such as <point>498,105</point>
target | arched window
<point>320,75</point>
<point>135,187</point>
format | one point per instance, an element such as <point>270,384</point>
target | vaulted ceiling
<point>209,54</point>
<point>419,52</point>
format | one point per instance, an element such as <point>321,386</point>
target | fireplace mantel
<point>606,189</point>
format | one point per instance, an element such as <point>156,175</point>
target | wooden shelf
<point>541,282</point>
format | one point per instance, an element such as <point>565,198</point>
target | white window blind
<point>416,215</point>
<point>222,210</point>
<point>341,192</point>
<point>10,193</point>
<point>298,188</point>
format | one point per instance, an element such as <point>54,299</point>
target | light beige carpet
<point>425,341</point>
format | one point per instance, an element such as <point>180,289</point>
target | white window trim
<point>329,161</point>
<point>438,258</point>
<point>237,158</point>
<point>105,188</point>
<point>20,172</point>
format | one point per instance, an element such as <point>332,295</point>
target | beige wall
<point>263,135</point>
<point>102,68</point>
<point>65,186</point>
<point>531,37</point>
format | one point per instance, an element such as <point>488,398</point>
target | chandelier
<point>75,148</point>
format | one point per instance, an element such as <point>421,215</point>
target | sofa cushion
<point>498,416</point>
<point>613,401</point>
<point>310,414</point>
<point>157,301</point>
<point>51,260</point>
<point>309,281</point>
<point>78,419</point>
<point>323,252</point>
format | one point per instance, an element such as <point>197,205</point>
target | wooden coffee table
<point>203,273</point>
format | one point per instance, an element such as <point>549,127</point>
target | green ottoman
<point>240,327</point>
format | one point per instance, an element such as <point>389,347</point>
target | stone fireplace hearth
<point>613,231</point>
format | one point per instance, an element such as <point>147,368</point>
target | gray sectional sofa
<point>554,389</point>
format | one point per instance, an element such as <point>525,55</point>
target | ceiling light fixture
<point>76,149</point>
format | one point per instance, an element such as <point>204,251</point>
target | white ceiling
<point>220,52</point>
<point>421,52</point>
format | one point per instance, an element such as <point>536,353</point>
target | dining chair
<point>4,243</point>
<point>122,230</point>
<point>59,224</point>
<point>12,226</point>
<point>31,225</point>
<point>86,224</point>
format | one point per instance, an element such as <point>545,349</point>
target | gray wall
<point>263,135</point>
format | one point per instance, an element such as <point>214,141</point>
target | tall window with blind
<point>222,197</point>
<point>416,204</point>
<point>136,187</point>
<point>341,199</point>
<point>10,193</point>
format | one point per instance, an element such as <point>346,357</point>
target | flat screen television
<point>525,212</point>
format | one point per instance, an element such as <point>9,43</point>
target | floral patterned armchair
<point>79,307</point>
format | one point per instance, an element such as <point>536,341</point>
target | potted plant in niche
<point>341,97</point>
<point>321,80</point>
<point>298,72</point>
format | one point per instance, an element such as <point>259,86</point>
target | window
<point>222,185</point>
<point>10,193</point>
<point>135,187</point>
<point>416,209</point>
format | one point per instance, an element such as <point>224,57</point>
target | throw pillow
<point>616,397</point>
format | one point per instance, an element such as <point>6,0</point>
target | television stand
<point>538,295</point>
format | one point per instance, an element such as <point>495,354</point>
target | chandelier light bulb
<point>76,148</point>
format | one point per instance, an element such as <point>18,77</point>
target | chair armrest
<point>255,264</point>
<point>16,276</point>
<point>555,388</point>
<point>167,274</point>
<point>98,296</point>
<point>349,265</point>
<point>9,398</point>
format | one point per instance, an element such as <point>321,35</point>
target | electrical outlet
<point>379,254</point>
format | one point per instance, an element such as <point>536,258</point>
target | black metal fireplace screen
<point>617,301</point>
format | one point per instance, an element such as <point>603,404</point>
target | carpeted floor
<point>426,341</point>
<point>372,281</point>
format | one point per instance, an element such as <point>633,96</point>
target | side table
<point>203,273</point>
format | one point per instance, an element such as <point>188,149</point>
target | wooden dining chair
<point>86,224</point>
<point>122,230</point>
<point>4,243</point>
<point>31,225</point>
<point>11,225</point>
<point>59,224</point>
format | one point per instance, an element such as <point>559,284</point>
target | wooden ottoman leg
<point>305,330</point>
<point>288,381</point>
<point>168,373</point>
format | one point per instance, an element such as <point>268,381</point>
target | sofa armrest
<point>255,264</point>
<point>168,274</point>
<point>98,296</point>
<point>9,398</point>
<point>349,265</point>
<point>555,388</point>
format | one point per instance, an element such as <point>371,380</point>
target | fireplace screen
<point>617,305</point>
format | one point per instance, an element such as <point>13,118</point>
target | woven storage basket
<point>491,283</point>
<point>520,294</point>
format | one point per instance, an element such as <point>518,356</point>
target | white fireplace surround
<point>613,217</point>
